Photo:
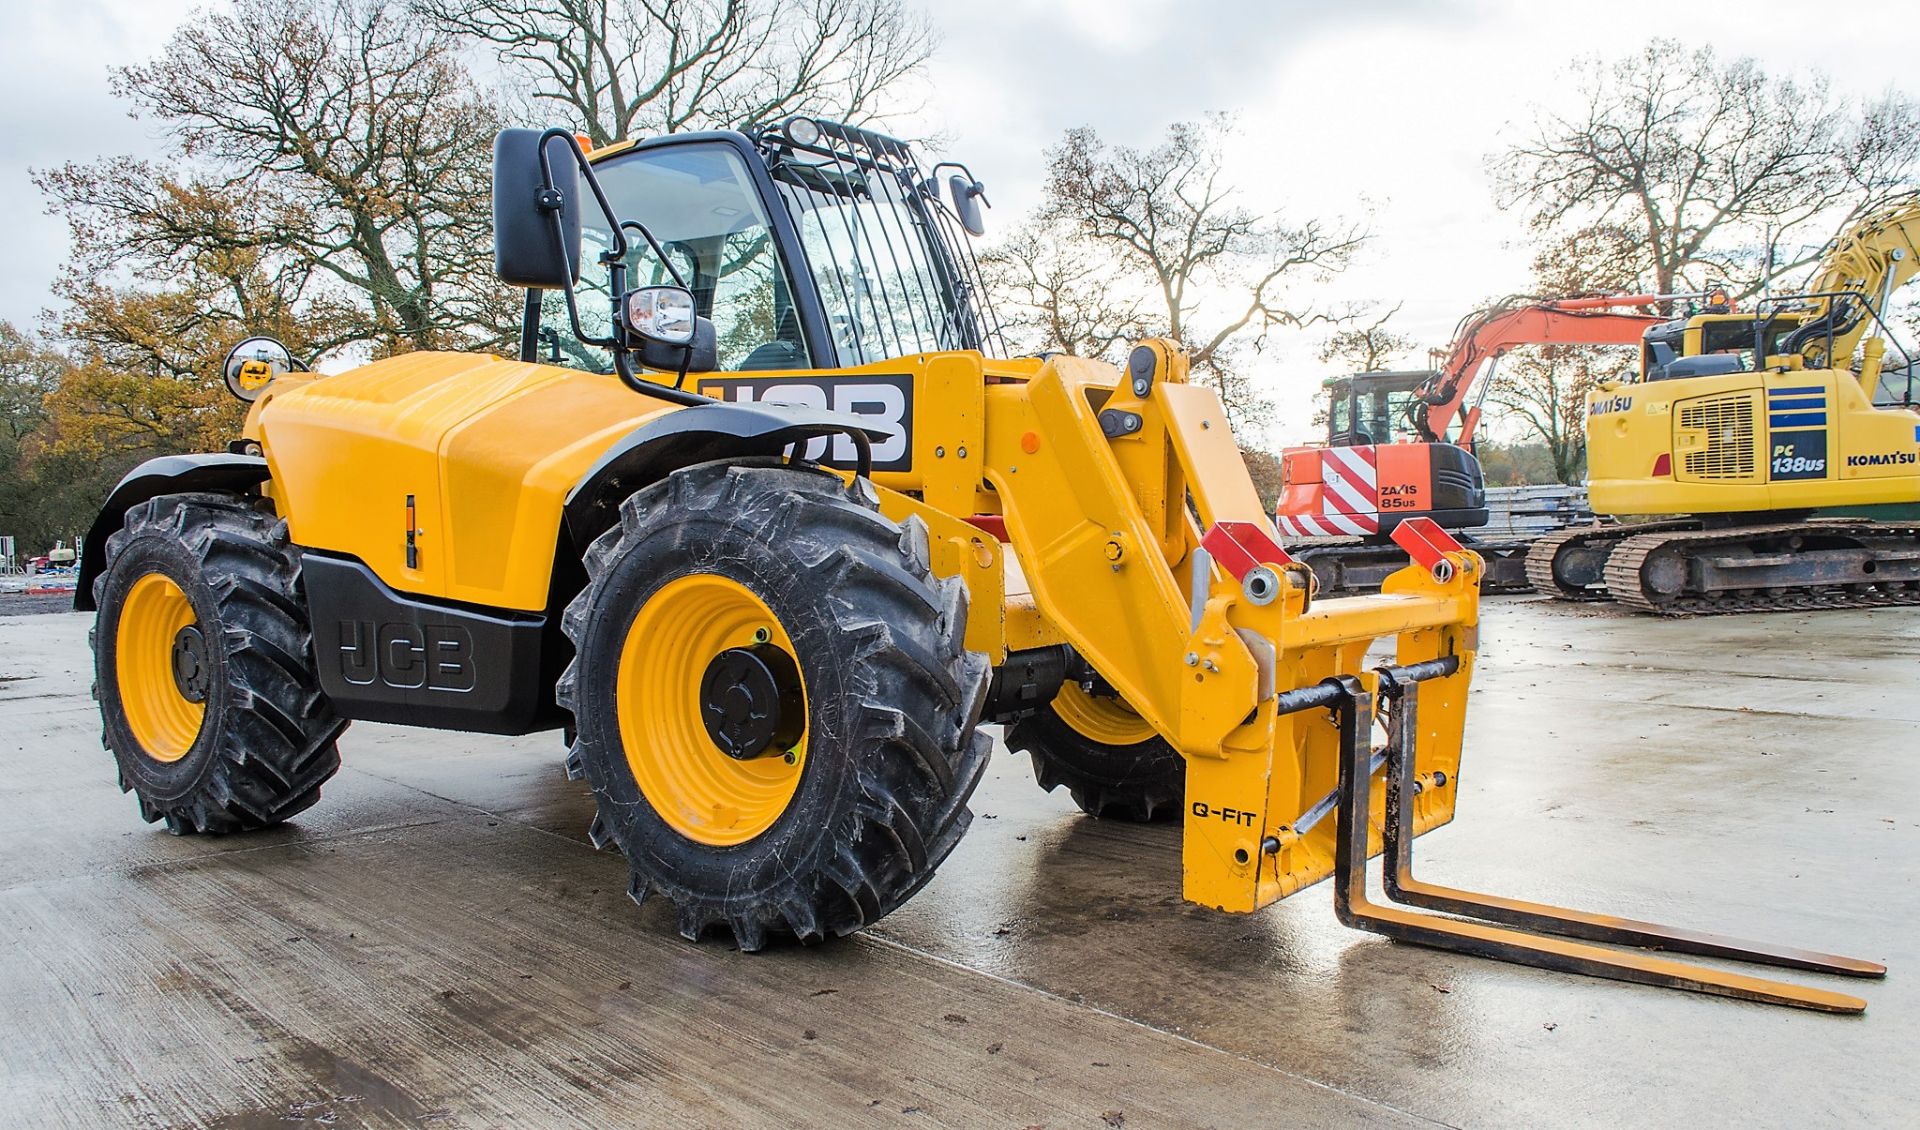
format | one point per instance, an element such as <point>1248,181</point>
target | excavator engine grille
<point>1729,424</point>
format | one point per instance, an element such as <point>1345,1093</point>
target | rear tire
<point>872,797</point>
<point>203,665</point>
<point>1141,781</point>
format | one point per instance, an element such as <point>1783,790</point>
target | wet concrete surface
<point>436,943</point>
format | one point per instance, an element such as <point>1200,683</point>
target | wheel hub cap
<point>750,701</point>
<point>712,709</point>
<point>190,664</point>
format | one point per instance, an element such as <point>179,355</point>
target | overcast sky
<point>1345,106</point>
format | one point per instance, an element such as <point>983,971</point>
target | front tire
<point>203,666</point>
<point>820,801</point>
<point>1113,764</point>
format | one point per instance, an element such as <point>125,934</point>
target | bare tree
<point>1545,388</point>
<point>1720,172</point>
<point>167,275</point>
<point>1369,348</point>
<point>1599,258</point>
<point>332,149</point>
<point>1360,349</point>
<point>623,68</point>
<point>1058,293</point>
<point>1219,275</point>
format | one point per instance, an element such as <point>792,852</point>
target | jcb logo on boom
<point>884,399</point>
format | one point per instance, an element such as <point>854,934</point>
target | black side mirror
<point>701,355</point>
<point>536,211</point>
<point>967,195</point>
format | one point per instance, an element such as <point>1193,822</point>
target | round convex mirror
<point>254,364</point>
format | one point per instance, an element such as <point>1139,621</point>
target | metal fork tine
<point>1354,908</point>
<point>1403,887</point>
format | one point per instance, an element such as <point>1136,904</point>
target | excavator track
<point>1542,555</point>
<point>1570,564</point>
<point>1656,572</point>
<point>1344,566</point>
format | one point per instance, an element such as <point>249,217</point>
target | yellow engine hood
<point>484,447</point>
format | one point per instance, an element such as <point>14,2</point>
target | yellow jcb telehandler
<point>761,518</point>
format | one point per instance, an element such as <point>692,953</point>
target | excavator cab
<point>1375,407</point>
<point>1715,344</point>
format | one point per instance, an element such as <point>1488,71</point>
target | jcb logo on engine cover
<point>437,657</point>
<point>886,399</point>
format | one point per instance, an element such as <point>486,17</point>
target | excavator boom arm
<point>1488,334</point>
<point>1872,259</point>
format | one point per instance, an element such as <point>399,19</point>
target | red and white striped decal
<point>1349,493</point>
<point>1328,525</point>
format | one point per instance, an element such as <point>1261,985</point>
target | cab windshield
<point>883,276</point>
<point>698,201</point>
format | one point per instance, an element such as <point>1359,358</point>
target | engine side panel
<point>486,448</point>
<point>1750,442</point>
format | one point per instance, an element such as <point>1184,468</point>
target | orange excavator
<point>1389,456</point>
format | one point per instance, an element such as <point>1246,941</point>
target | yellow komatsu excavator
<point>766,522</point>
<point>1777,469</point>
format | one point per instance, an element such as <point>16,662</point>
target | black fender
<point>169,474</point>
<point>698,434</point>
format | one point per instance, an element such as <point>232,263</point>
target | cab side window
<point>1340,420</point>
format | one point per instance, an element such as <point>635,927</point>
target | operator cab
<point>1711,345</point>
<point>1377,407</point>
<point>807,245</point>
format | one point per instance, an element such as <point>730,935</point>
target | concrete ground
<point>436,944</point>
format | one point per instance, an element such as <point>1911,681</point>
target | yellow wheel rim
<point>691,783</point>
<point>163,719</point>
<point>1108,721</point>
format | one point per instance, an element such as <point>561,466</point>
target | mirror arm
<point>973,182</point>
<point>586,170</point>
<point>623,365</point>
<point>573,317</point>
<point>686,358</point>
<point>614,256</point>
<point>529,325</point>
<point>659,252</point>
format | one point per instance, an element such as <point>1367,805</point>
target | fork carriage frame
<point>1113,491</point>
